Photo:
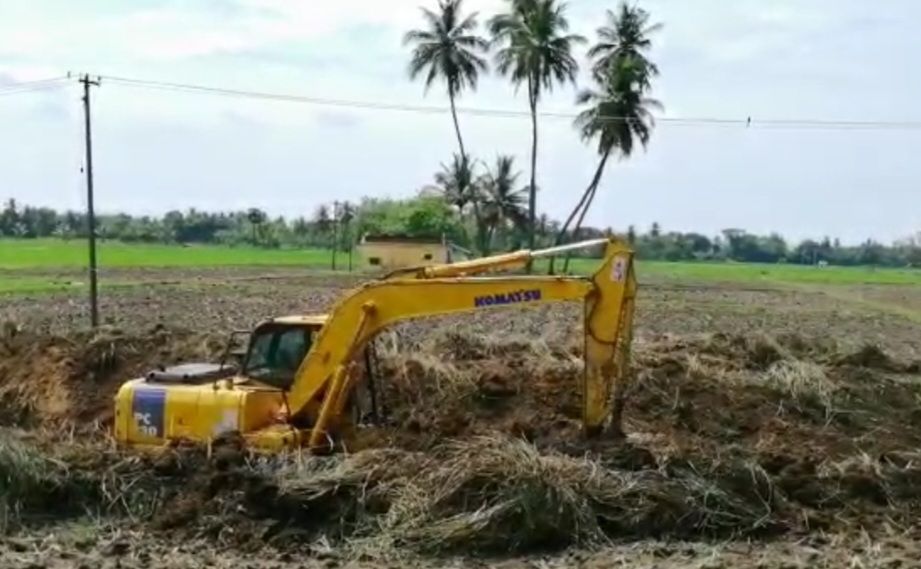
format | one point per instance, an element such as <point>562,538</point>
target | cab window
<point>276,353</point>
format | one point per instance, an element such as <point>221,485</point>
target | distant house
<point>388,252</point>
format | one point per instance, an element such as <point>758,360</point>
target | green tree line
<point>432,215</point>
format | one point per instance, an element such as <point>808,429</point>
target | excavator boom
<point>607,295</point>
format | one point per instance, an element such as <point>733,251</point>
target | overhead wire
<point>748,122</point>
<point>34,85</point>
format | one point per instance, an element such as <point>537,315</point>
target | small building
<point>389,252</point>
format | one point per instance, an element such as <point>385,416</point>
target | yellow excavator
<point>296,378</point>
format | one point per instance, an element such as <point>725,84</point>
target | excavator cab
<point>276,349</point>
<point>200,401</point>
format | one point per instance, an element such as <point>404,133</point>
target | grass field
<point>41,253</point>
<point>760,272</point>
<point>19,257</point>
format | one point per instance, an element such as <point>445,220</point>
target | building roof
<point>400,238</point>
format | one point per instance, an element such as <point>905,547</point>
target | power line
<point>31,86</point>
<point>747,122</point>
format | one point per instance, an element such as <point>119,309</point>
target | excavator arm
<point>322,382</point>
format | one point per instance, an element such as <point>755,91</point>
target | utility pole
<point>335,232</point>
<point>90,213</point>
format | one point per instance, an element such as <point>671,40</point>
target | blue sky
<point>159,150</point>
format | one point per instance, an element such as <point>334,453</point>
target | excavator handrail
<point>491,263</point>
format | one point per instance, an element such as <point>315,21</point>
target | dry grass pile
<point>452,385</point>
<point>60,474</point>
<point>806,383</point>
<point>486,494</point>
<point>872,356</point>
<point>742,435</point>
<point>814,378</point>
<point>500,494</point>
<point>33,481</point>
<point>892,480</point>
<point>27,478</point>
<point>342,496</point>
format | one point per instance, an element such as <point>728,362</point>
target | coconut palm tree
<point>458,184</point>
<point>617,118</point>
<point>620,108</point>
<point>504,202</point>
<point>535,50</point>
<point>448,49</point>
<point>626,34</point>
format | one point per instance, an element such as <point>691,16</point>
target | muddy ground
<point>767,426</point>
<point>220,300</point>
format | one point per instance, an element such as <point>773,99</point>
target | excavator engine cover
<point>149,413</point>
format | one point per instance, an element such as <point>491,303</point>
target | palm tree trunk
<point>589,191</point>
<point>562,233</point>
<point>575,230</point>
<point>460,140</point>
<point>480,230</point>
<point>483,235</point>
<point>588,204</point>
<point>532,194</point>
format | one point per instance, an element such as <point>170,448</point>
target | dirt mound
<point>688,392</point>
<point>708,390</point>
<point>873,357</point>
<point>48,380</point>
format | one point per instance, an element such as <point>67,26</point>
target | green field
<point>765,273</point>
<point>19,257</point>
<point>54,253</point>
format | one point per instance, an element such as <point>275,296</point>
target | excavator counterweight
<point>297,375</point>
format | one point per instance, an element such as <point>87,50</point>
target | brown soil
<point>47,380</point>
<point>699,406</point>
<point>736,425</point>
<point>69,547</point>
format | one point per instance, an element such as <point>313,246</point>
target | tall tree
<point>9,219</point>
<point>256,218</point>
<point>344,222</point>
<point>456,183</point>
<point>618,117</point>
<point>504,202</point>
<point>322,218</point>
<point>625,35</point>
<point>619,112</point>
<point>459,186</point>
<point>535,50</point>
<point>448,49</point>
